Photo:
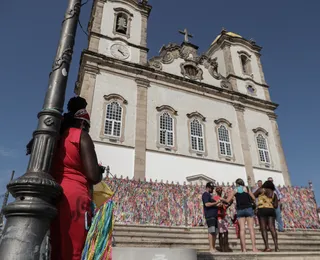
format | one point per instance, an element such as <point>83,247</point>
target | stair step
<point>131,233</point>
<point>261,256</point>
<point>144,236</point>
<point>182,240</point>
<point>196,230</point>
<point>205,248</point>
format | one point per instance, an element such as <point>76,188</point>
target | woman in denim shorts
<point>245,213</point>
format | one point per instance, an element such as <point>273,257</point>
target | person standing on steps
<point>210,207</point>
<point>267,202</point>
<point>222,222</point>
<point>76,169</point>
<point>256,217</point>
<point>245,212</point>
<point>279,208</point>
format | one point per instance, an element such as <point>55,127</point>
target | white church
<point>181,116</point>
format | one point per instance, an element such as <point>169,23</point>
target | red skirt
<point>68,232</point>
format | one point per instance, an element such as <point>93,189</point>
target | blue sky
<point>287,31</point>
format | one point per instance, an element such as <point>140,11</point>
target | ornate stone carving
<point>212,66</point>
<point>190,70</point>
<point>155,63</point>
<point>196,114</point>
<point>222,120</point>
<point>260,129</point>
<point>188,52</point>
<point>168,58</point>
<point>169,108</point>
<point>116,97</point>
<point>225,84</point>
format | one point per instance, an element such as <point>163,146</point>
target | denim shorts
<point>212,225</point>
<point>245,213</point>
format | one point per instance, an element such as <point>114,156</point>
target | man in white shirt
<point>259,184</point>
<point>278,209</point>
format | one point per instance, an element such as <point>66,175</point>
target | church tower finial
<point>186,35</point>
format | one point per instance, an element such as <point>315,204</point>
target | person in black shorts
<point>267,203</point>
<point>210,207</point>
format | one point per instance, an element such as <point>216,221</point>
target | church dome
<point>227,33</point>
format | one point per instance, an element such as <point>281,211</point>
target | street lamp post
<point>29,216</point>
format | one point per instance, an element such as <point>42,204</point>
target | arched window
<point>113,121</point>
<point>197,136</point>
<point>224,141</point>
<point>245,62</point>
<point>263,149</point>
<point>166,134</point>
<point>122,23</point>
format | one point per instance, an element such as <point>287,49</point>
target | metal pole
<point>29,216</point>
<point>4,203</point>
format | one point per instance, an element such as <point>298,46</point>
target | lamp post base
<point>29,216</point>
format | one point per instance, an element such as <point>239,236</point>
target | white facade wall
<point>237,62</point>
<point>185,103</point>
<point>242,88</point>
<point>174,68</point>
<point>107,83</point>
<point>177,165</point>
<point>221,62</point>
<point>119,159</point>
<point>175,168</point>
<point>260,174</point>
<point>254,119</point>
<point>242,84</point>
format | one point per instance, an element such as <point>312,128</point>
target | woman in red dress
<point>76,169</point>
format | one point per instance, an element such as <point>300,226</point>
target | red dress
<point>68,231</point>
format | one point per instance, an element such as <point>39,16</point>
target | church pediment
<point>199,179</point>
<point>184,60</point>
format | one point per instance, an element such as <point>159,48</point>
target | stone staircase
<point>300,244</point>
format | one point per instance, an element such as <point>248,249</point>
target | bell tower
<point>118,29</point>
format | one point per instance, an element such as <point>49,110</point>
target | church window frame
<point>197,134</point>
<point>262,147</point>
<point>245,62</point>
<point>166,130</point>
<point>120,12</point>
<point>113,119</point>
<point>224,139</point>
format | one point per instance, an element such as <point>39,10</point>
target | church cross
<point>186,35</point>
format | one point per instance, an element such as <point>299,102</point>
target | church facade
<point>180,116</point>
